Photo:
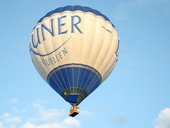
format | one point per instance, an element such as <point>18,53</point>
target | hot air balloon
<point>74,49</point>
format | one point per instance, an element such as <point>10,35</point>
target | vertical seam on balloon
<point>91,84</point>
<point>88,86</point>
<point>72,73</point>
<point>41,59</point>
<point>40,56</point>
<point>110,70</point>
<point>84,75</point>
<point>49,70</point>
<point>113,63</point>
<point>69,82</point>
<point>82,51</point>
<point>61,88</point>
<point>53,65</point>
<point>56,81</point>
<point>78,80</point>
<point>61,12</point>
<point>37,57</point>
<point>89,91</point>
<point>41,70</point>
<point>94,82</point>
<point>100,46</point>
<point>83,41</point>
<point>108,54</point>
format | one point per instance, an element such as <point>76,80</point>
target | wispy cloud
<point>40,117</point>
<point>50,118</point>
<point>87,113</point>
<point>66,123</point>
<point>14,101</point>
<point>120,121</point>
<point>163,120</point>
<point>1,125</point>
<point>11,101</point>
<point>8,118</point>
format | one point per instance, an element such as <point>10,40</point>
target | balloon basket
<point>74,111</point>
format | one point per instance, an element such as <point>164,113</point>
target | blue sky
<point>136,94</point>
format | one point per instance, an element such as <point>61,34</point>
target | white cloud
<point>32,125</point>
<point>41,118</point>
<point>50,118</point>
<point>10,119</point>
<point>163,120</point>
<point>1,125</point>
<point>86,113</point>
<point>14,101</point>
<point>71,123</point>
<point>66,123</point>
<point>50,115</point>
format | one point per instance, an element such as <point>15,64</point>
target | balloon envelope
<point>74,49</point>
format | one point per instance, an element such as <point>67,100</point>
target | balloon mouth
<point>74,95</point>
<point>74,99</point>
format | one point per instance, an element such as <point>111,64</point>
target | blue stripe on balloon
<point>75,8</point>
<point>78,76</point>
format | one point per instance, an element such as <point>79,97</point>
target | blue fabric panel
<point>70,76</point>
<point>65,77</point>
<point>93,86</point>
<point>85,78</point>
<point>90,78</point>
<point>74,76</point>
<point>57,87</point>
<point>87,9</point>
<point>72,98</point>
<point>67,8</point>
<point>57,10</point>
<point>61,78</point>
<point>81,73</point>
<point>77,7</point>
